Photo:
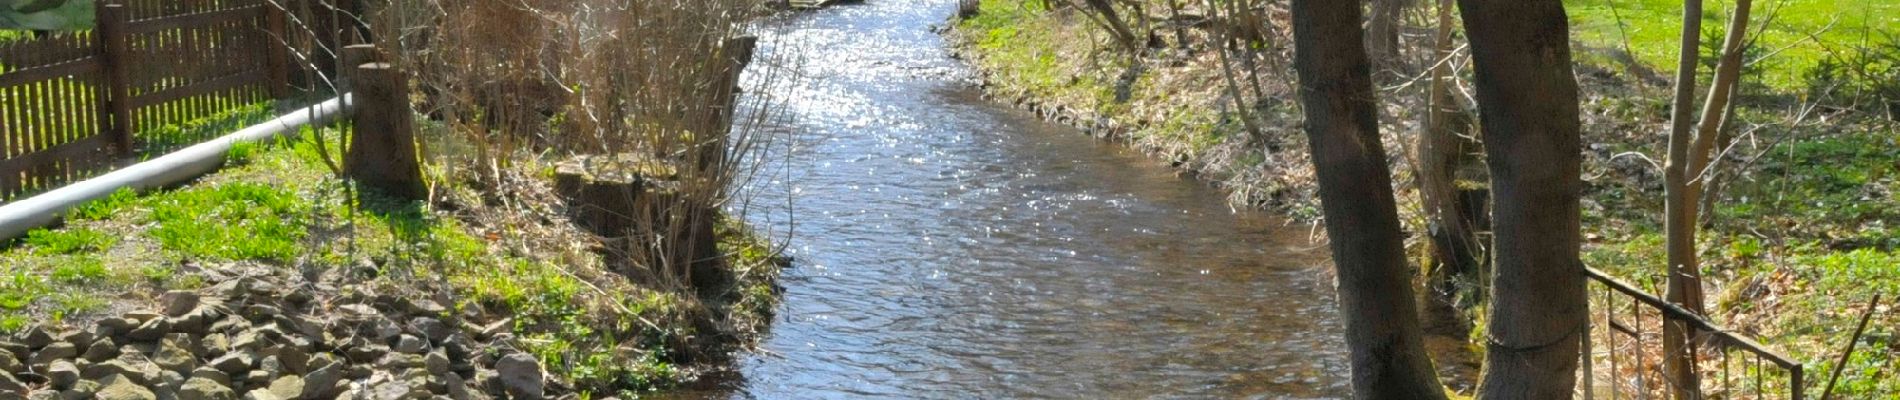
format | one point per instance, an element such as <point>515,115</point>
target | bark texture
<point>1527,100</point>
<point>1375,288</point>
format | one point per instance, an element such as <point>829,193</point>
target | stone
<point>113,326</point>
<point>437,363</point>
<point>152,330</point>
<point>179,302</point>
<point>272,366</point>
<point>11,384</point>
<point>173,356</point>
<point>62,374</point>
<point>9,364</point>
<point>84,390</point>
<point>168,383</point>
<point>35,337</point>
<point>42,395</point>
<point>234,364</point>
<point>366,353</point>
<point>140,317</point>
<point>399,361</point>
<point>256,378</point>
<point>119,387</point>
<point>214,345</point>
<point>19,351</point>
<point>205,389</point>
<point>287,387</point>
<point>79,338</point>
<point>136,370</point>
<point>54,351</point>
<point>321,382</point>
<point>410,345</point>
<point>455,387</point>
<point>431,328</point>
<point>261,312</point>
<point>520,376</point>
<point>358,372</point>
<point>101,349</point>
<point>423,307</point>
<point>212,374</point>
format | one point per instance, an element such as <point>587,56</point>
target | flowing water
<point>950,247</point>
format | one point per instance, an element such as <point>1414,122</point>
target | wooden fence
<point>74,104</point>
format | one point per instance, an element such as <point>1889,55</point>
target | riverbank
<point>1808,207</point>
<point>265,276</point>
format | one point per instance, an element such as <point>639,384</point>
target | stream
<point>951,247</point>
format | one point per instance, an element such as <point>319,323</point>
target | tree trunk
<point>1382,39</point>
<point>1683,276</point>
<point>1440,152</point>
<point>1527,98</point>
<point>1375,288</point>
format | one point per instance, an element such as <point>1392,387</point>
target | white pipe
<point>18,217</point>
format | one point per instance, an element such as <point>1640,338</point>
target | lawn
<point>1800,35</point>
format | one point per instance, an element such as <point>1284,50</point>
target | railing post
<point>113,51</point>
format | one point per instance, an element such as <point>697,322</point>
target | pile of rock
<point>252,338</point>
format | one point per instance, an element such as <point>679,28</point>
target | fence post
<point>382,150</point>
<point>113,55</point>
<point>277,46</point>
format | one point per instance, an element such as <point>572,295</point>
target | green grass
<point>1805,32</point>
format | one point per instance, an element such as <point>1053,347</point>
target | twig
<point>1836,376</point>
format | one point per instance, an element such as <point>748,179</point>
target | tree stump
<point>650,232</point>
<point>382,152</point>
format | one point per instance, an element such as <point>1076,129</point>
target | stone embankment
<point>278,339</point>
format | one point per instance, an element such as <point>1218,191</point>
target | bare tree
<point>1692,139</point>
<point>1528,111</point>
<point>1452,217</point>
<point>1375,288</point>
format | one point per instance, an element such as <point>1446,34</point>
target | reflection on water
<point>952,248</point>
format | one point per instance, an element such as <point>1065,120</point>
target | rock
<point>456,388</point>
<point>214,345</point>
<point>437,362</point>
<point>42,395</point>
<point>487,381</point>
<point>101,349</point>
<point>119,387</point>
<point>257,378</point>
<point>152,330</point>
<point>9,364</point>
<point>205,389</point>
<point>179,302</point>
<point>84,390</point>
<point>366,353</point>
<point>400,361</point>
<point>230,326</point>
<point>357,372</point>
<point>138,371</point>
<point>287,387</point>
<point>11,384</point>
<point>234,364</point>
<point>410,345</point>
<point>113,326</point>
<point>19,351</point>
<point>79,338</point>
<point>272,366</point>
<point>140,317</point>
<point>261,312</point>
<point>520,376</point>
<point>213,374</point>
<point>423,307</point>
<point>168,383</point>
<point>322,381</point>
<point>35,337</point>
<point>381,329</point>
<point>173,356</point>
<point>62,374</point>
<point>431,328</point>
<point>54,351</point>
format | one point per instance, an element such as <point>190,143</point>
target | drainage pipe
<point>18,217</point>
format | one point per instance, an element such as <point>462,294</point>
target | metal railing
<point>1731,366</point>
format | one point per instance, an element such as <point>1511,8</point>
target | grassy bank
<point>1801,237</point>
<point>277,211</point>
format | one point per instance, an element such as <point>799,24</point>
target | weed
<point>78,270</point>
<point>104,208</point>
<point>232,221</point>
<point>69,241</point>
